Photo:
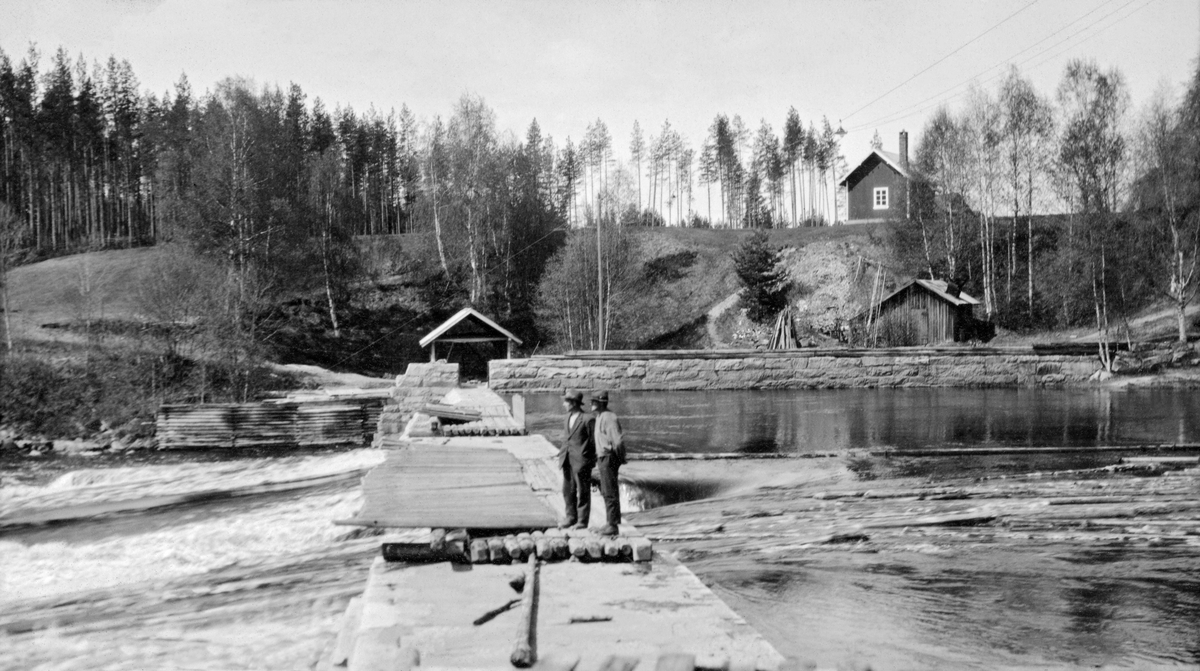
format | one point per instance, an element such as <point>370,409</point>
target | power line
<point>943,58</point>
<point>921,106</point>
<point>1098,32</point>
<point>891,116</point>
<point>905,113</point>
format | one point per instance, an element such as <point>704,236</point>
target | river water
<point>822,420</point>
<point>233,579</point>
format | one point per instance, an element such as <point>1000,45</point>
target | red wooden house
<point>877,189</point>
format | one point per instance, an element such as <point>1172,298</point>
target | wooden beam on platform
<point>525,650</point>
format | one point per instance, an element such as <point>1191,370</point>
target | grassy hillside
<point>687,272</point>
<point>100,285</point>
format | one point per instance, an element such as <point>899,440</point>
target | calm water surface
<point>824,420</point>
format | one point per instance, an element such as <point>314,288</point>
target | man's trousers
<point>607,467</point>
<point>577,492</point>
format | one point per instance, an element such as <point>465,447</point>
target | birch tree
<point>12,234</point>
<point>1028,126</point>
<point>1092,150</point>
<point>1168,195</point>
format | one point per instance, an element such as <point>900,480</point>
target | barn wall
<point>861,202</point>
<point>934,318</point>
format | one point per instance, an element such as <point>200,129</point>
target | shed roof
<point>891,159</point>
<point>938,288</point>
<point>469,325</point>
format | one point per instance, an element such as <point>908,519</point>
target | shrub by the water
<point>70,397</point>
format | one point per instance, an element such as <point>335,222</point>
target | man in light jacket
<point>610,453</point>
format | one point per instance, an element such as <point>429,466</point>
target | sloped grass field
<point>102,285</point>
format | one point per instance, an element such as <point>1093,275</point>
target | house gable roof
<point>938,288</point>
<point>865,165</point>
<point>469,324</point>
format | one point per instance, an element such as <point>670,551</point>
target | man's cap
<point>600,397</point>
<point>572,395</point>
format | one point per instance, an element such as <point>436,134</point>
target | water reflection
<point>963,612</point>
<point>810,420</point>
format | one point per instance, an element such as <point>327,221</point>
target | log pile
<point>783,335</point>
<point>551,545</point>
<point>481,428</point>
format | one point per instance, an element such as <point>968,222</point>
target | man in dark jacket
<point>576,457</point>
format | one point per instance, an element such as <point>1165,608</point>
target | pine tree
<point>756,264</point>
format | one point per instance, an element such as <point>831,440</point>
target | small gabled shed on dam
<point>937,311</point>
<point>468,326</point>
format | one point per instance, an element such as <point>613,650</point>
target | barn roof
<point>469,326</point>
<point>938,288</point>
<point>892,160</point>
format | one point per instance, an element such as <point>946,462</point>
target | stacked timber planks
<point>451,487</point>
<point>451,412</point>
<point>201,426</point>
<point>233,425</point>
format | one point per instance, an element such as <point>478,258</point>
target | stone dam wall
<point>679,370</point>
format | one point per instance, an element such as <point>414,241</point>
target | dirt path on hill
<point>715,312</point>
<point>328,379</point>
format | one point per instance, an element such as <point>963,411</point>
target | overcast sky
<point>569,63</point>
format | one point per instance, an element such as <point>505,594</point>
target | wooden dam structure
<point>474,574</point>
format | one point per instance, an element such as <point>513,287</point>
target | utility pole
<point>599,288</point>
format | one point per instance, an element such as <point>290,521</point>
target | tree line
<point>1063,209</point>
<point>87,160</point>
<point>275,187</point>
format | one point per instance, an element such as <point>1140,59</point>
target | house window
<point>881,198</point>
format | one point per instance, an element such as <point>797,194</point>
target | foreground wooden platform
<point>655,610</point>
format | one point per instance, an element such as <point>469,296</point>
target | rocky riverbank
<point>103,442</point>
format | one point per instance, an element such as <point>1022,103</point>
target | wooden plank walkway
<point>448,486</point>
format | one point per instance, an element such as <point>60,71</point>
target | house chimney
<point>904,149</point>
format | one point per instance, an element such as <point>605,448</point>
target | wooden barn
<point>938,311</point>
<point>877,189</point>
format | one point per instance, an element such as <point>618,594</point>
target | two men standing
<point>590,439</point>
